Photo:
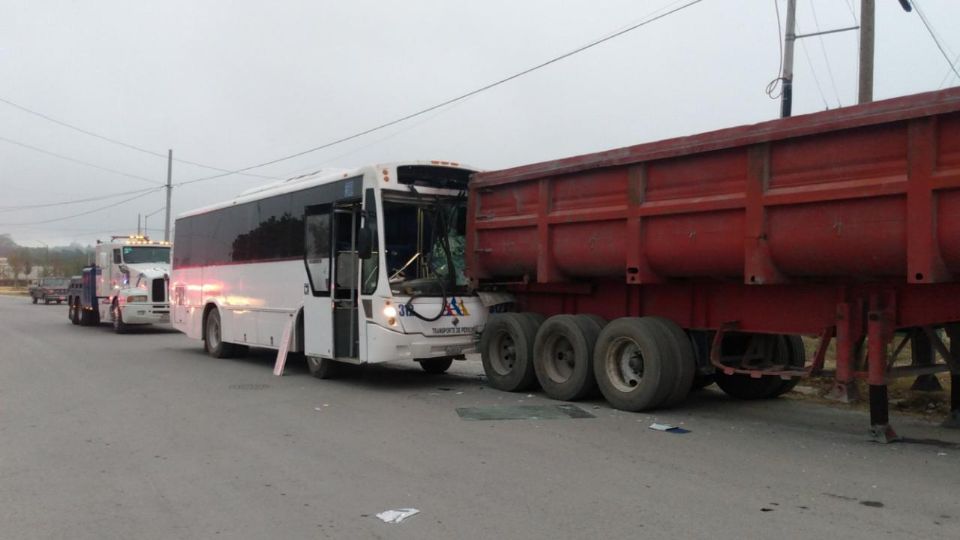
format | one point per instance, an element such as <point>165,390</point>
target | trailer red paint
<point>843,224</point>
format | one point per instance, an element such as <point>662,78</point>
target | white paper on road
<point>398,515</point>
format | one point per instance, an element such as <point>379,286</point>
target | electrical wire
<point>774,88</point>
<point>88,212</point>
<point>66,158</point>
<point>75,201</point>
<point>461,97</point>
<point>950,72</point>
<point>114,141</point>
<point>823,49</point>
<point>936,39</point>
<point>816,79</point>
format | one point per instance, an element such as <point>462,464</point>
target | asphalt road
<point>142,436</point>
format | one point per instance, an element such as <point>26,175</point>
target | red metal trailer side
<point>710,253</point>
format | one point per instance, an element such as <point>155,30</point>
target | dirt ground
<point>932,405</point>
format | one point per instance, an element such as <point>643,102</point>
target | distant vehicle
<point>126,285</point>
<point>51,289</point>
<point>359,267</point>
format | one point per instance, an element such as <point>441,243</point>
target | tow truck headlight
<point>390,313</point>
<point>137,298</point>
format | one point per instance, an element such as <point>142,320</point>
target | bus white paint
<point>368,263</point>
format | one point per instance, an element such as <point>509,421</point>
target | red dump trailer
<point>645,271</point>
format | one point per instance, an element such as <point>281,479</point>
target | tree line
<point>56,261</point>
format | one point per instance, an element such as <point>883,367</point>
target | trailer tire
<point>631,364</point>
<point>563,357</point>
<point>595,319</point>
<point>506,349</point>
<point>743,386</point>
<point>436,366</point>
<point>325,368</point>
<point>683,356</point>
<point>213,336</point>
<point>798,357</point>
<point>116,317</point>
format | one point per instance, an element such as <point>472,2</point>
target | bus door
<point>317,302</point>
<point>330,297</point>
<point>346,225</point>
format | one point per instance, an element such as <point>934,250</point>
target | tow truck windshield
<point>146,254</point>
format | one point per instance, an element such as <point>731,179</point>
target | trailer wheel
<point>324,368</point>
<point>116,317</point>
<point>506,348</point>
<point>563,357</point>
<point>683,356</point>
<point>213,337</point>
<point>797,358</point>
<point>743,386</point>
<point>632,366</point>
<point>595,319</point>
<point>436,366</point>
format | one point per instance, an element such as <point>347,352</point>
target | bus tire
<point>683,356</point>
<point>325,368</point>
<point>116,317</point>
<point>506,349</point>
<point>563,357</point>
<point>213,336</point>
<point>436,366</point>
<point>632,365</point>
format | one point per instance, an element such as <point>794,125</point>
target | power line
<point>88,212</point>
<point>54,154</point>
<point>461,97</point>
<point>71,202</point>
<point>111,140</point>
<point>771,89</point>
<point>936,40</point>
<point>823,49</point>
<point>816,80</point>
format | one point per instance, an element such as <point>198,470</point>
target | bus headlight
<point>390,313</point>
<point>137,298</point>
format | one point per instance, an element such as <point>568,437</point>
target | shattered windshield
<point>425,242</point>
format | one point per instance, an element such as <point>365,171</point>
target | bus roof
<point>320,177</point>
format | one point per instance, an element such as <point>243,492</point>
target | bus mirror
<point>364,243</point>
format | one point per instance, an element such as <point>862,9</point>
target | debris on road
<point>398,515</point>
<point>668,428</point>
<point>523,412</point>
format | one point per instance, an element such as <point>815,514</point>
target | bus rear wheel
<point>213,337</point>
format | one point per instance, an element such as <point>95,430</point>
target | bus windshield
<point>425,242</point>
<point>146,254</point>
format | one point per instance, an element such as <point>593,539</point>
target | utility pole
<point>166,227</point>
<point>786,97</point>
<point>867,16</point>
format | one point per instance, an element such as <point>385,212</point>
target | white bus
<point>367,263</point>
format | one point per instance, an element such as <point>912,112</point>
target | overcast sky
<point>235,83</point>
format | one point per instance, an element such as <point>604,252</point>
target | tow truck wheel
<point>213,337</point>
<point>563,354</point>
<point>506,348</point>
<point>116,315</point>
<point>436,366</point>
<point>632,365</point>
<point>74,312</point>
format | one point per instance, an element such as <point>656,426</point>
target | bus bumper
<point>385,345</point>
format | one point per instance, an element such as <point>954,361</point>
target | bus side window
<point>318,251</point>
